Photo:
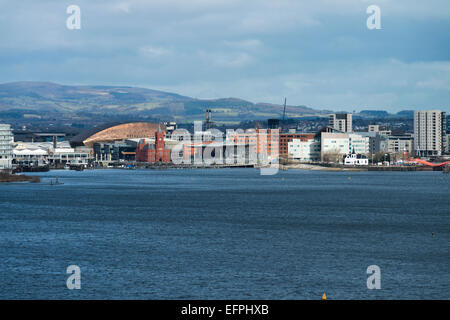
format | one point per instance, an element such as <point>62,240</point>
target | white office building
<point>336,145</point>
<point>307,151</point>
<point>358,144</point>
<point>6,146</point>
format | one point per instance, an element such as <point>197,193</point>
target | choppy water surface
<point>229,233</point>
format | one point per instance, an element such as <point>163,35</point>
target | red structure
<point>429,163</point>
<point>157,152</point>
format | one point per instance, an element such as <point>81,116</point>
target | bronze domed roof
<point>109,133</point>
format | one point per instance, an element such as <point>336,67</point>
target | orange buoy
<point>324,296</point>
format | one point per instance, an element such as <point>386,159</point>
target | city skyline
<point>224,159</point>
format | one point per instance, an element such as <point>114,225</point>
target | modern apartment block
<point>430,129</point>
<point>341,122</point>
<point>358,144</point>
<point>400,143</point>
<point>377,142</point>
<point>6,146</point>
<point>381,130</point>
<point>447,144</point>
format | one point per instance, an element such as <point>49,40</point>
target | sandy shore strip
<point>302,166</point>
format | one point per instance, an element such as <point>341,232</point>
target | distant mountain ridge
<point>43,99</point>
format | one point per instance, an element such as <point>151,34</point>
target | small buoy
<point>432,234</point>
<point>324,296</point>
<point>282,179</point>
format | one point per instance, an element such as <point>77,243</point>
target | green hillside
<point>25,99</point>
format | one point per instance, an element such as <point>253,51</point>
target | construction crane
<point>284,110</point>
<point>208,122</point>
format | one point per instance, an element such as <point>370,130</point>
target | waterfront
<point>228,233</point>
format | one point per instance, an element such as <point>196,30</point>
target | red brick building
<point>157,152</point>
<point>263,139</point>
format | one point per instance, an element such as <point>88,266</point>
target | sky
<point>318,53</point>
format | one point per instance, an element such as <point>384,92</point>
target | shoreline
<point>282,167</point>
<point>8,178</point>
<point>313,167</point>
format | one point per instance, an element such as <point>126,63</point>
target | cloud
<point>390,85</point>
<point>318,53</point>
<point>150,51</point>
<point>248,44</point>
<point>227,60</point>
<point>123,6</point>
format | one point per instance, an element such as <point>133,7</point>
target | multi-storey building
<point>171,126</point>
<point>335,145</point>
<point>358,144</point>
<point>383,131</point>
<point>377,142</point>
<point>286,138</point>
<point>304,150</point>
<point>261,141</point>
<point>447,143</point>
<point>341,122</point>
<point>270,141</point>
<point>6,146</point>
<point>430,128</point>
<point>115,151</point>
<point>400,143</point>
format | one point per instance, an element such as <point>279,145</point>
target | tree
<point>332,156</point>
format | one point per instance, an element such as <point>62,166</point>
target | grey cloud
<point>317,53</point>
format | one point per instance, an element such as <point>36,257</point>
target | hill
<point>51,100</point>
